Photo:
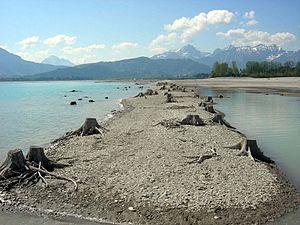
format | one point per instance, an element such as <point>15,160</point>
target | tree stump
<point>163,87</point>
<point>209,108</point>
<point>170,98</point>
<point>14,165</point>
<point>250,148</point>
<point>149,92</point>
<point>219,118</point>
<point>90,126</point>
<point>207,99</point>
<point>16,170</point>
<point>141,94</point>
<point>202,104</point>
<point>194,120</point>
<point>37,155</point>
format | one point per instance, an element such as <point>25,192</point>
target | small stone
<point>217,217</point>
<point>131,209</point>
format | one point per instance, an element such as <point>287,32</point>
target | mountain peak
<point>240,54</point>
<point>187,51</point>
<point>187,48</point>
<point>56,61</point>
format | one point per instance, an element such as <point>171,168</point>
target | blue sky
<point>98,30</point>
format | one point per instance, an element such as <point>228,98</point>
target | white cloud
<point>4,47</point>
<point>158,50</point>
<point>28,42</point>
<point>82,55</point>
<point>249,15</point>
<point>36,56</point>
<point>60,38</point>
<point>124,45</point>
<point>242,37</point>
<point>163,39</point>
<point>85,59</point>
<point>68,50</point>
<point>251,22</point>
<point>189,26</point>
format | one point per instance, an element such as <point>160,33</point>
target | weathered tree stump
<point>163,87</point>
<point>250,148</point>
<point>202,104</point>
<point>14,165</point>
<point>209,108</point>
<point>219,118</point>
<point>207,99</point>
<point>194,120</point>
<point>90,126</point>
<point>141,94</point>
<point>149,92</point>
<point>170,98</point>
<point>16,170</point>
<point>37,155</point>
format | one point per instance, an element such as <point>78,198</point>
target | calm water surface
<point>34,113</point>
<point>274,121</point>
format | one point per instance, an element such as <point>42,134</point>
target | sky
<point>85,31</point>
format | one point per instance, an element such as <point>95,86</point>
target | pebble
<point>131,209</point>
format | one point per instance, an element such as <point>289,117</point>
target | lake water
<point>34,113</point>
<point>37,112</point>
<point>274,121</point>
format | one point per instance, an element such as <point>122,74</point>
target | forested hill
<point>139,68</point>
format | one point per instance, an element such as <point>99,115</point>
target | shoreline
<point>287,86</point>
<point>166,213</point>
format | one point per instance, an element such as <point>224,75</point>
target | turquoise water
<point>34,113</point>
<point>37,112</point>
<point>274,121</point>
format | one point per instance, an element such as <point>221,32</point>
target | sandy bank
<point>280,85</point>
<point>139,172</point>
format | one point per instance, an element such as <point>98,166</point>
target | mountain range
<point>232,53</point>
<point>183,62</point>
<point>56,61</point>
<point>139,68</point>
<point>13,65</point>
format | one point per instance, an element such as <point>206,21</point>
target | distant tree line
<point>256,69</point>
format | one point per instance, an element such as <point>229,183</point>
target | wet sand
<point>140,172</point>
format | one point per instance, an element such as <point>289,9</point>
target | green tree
<point>297,69</point>
<point>223,69</point>
<point>215,70</point>
<point>235,70</point>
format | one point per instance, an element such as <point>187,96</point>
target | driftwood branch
<point>55,175</point>
<point>208,155</point>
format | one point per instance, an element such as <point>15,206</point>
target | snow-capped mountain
<point>188,51</point>
<point>54,60</point>
<point>231,53</point>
